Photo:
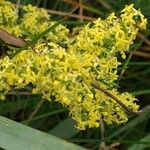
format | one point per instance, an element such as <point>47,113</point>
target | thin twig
<point>102,145</point>
<point>81,10</point>
<point>141,36</point>
<point>18,5</point>
<point>70,15</point>
<point>73,3</point>
<point>104,4</point>
<point>139,53</point>
<point>86,7</point>
<point>102,129</point>
<point>145,48</point>
<point>127,109</point>
<point>61,13</point>
<point>38,106</point>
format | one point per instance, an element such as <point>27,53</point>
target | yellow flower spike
<point>66,74</point>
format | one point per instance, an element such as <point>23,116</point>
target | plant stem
<point>127,109</point>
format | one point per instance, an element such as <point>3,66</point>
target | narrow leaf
<point>15,136</point>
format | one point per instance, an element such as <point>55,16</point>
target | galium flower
<point>67,74</point>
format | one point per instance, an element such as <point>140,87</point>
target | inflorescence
<point>66,74</point>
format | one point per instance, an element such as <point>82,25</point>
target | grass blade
<point>141,146</point>
<point>25,138</point>
<point>65,129</point>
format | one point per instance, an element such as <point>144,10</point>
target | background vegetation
<point>53,119</point>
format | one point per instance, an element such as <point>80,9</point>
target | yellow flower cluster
<point>8,16</point>
<point>31,22</point>
<point>66,74</point>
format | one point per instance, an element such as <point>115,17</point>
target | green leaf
<point>141,146</point>
<point>15,136</point>
<point>65,129</point>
